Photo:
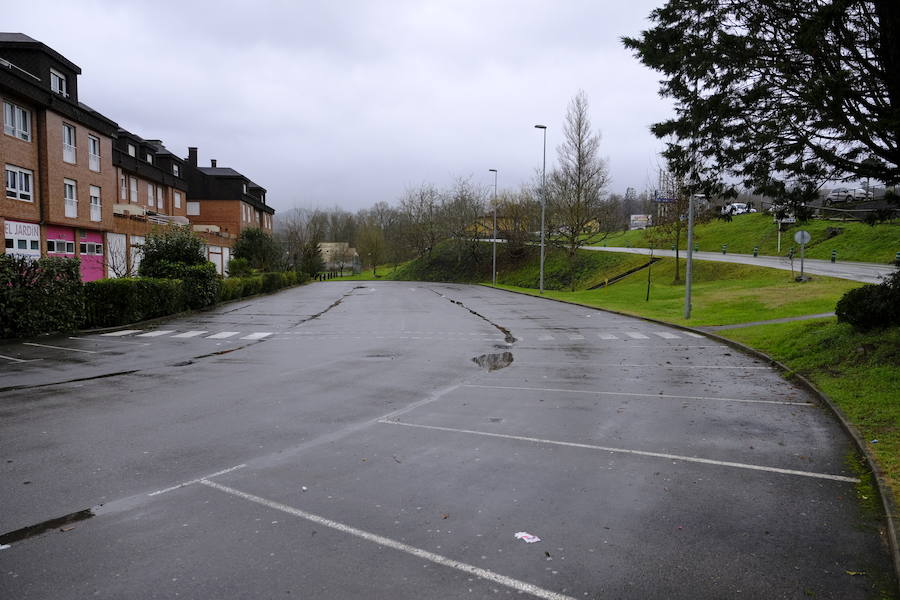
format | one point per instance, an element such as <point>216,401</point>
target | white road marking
<point>545,338</point>
<point>666,335</point>
<point>515,584</point>
<point>636,394</point>
<point>59,348</point>
<point>189,334</point>
<point>156,333</point>
<point>19,359</point>
<point>692,334</point>
<point>198,480</point>
<point>109,341</point>
<point>575,336</point>
<point>222,335</point>
<point>121,333</point>
<point>694,459</point>
<point>637,336</point>
<point>257,336</point>
<point>607,336</point>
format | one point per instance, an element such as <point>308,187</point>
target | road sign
<point>802,237</point>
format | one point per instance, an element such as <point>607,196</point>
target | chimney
<point>212,162</point>
<point>192,156</point>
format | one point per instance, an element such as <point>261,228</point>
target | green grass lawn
<point>855,241</point>
<point>723,294</point>
<point>860,372</point>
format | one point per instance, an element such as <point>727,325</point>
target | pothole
<point>495,361</point>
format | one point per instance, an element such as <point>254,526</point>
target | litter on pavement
<point>527,537</point>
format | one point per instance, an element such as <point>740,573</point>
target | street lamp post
<point>494,237</point>
<point>543,199</point>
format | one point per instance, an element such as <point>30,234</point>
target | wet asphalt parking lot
<point>338,440</point>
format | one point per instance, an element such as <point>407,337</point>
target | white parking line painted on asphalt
<point>198,480</point>
<point>121,333</point>
<point>156,333</point>
<point>19,360</point>
<point>636,336</point>
<point>189,334</point>
<point>607,336</point>
<point>666,335</point>
<point>222,335</point>
<point>257,336</point>
<point>694,459</point>
<point>386,542</point>
<point>59,348</point>
<point>636,394</point>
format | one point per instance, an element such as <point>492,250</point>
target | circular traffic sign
<point>802,237</point>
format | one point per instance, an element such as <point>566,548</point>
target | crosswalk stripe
<point>692,334</point>
<point>636,335</point>
<point>608,336</point>
<point>121,333</point>
<point>222,335</point>
<point>545,338</point>
<point>156,333</point>
<point>574,337</point>
<point>666,335</point>
<point>189,334</point>
<point>257,336</point>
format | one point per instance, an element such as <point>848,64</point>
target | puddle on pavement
<point>495,361</point>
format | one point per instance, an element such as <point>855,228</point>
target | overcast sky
<point>347,103</point>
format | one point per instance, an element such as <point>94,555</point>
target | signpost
<point>802,237</point>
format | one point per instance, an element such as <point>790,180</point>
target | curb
<point>891,514</point>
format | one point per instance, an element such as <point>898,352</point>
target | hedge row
<point>41,295</point>
<point>241,287</point>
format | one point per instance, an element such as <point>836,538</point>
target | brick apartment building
<point>77,185</point>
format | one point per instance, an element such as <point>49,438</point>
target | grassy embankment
<point>859,372</point>
<point>856,241</point>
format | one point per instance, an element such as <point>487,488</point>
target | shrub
<point>239,267</point>
<point>111,302</point>
<point>201,285</point>
<point>168,250</point>
<point>39,296</point>
<point>872,306</point>
<point>271,282</point>
<point>232,289</point>
<point>258,248</point>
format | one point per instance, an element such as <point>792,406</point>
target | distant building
<point>338,256</point>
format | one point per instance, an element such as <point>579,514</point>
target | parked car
<point>737,208</point>
<point>847,195</point>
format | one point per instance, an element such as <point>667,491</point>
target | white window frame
<point>59,83</point>
<point>150,195</point>
<point>123,186</point>
<point>132,151</point>
<point>90,248</point>
<point>177,199</point>
<point>193,209</point>
<point>70,195</point>
<point>159,198</point>
<point>176,170</point>
<point>148,157</point>
<point>19,183</point>
<point>94,153</point>
<point>96,206</point>
<point>133,187</point>
<point>70,148</point>
<point>68,246</point>
<point>16,121</point>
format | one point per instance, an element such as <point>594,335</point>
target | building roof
<point>219,172</point>
<point>14,39</point>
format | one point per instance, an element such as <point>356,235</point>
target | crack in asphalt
<point>508,336</point>
<point>32,386</point>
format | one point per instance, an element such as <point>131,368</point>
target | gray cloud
<point>349,103</point>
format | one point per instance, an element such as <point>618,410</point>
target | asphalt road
<point>338,441</point>
<point>855,271</point>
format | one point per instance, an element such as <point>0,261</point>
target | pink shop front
<point>62,241</point>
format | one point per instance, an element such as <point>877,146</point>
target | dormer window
<point>149,158</point>
<point>245,188</point>
<point>176,170</point>
<point>58,83</point>
<point>132,151</point>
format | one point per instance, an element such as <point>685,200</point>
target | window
<point>159,198</point>
<point>91,248</point>
<point>18,183</point>
<point>96,208</point>
<point>93,153</point>
<point>123,187</point>
<point>61,246</point>
<point>149,158</point>
<point>58,83</point>
<point>68,143</point>
<point>132,151</point>
<point>177,199</point>
<point>71,197</point>
<point>134,192</point>
<point>193,208</point>
<point>149,194</point>
<point>16,121</point>
<point>176,170</point>
<point>245,188</point>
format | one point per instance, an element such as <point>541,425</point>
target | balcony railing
<point>94,162</point>
<point>71,208</point>
<point>96,212</point>
<point>69,153</point>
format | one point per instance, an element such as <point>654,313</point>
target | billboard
<point>640,222</point>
